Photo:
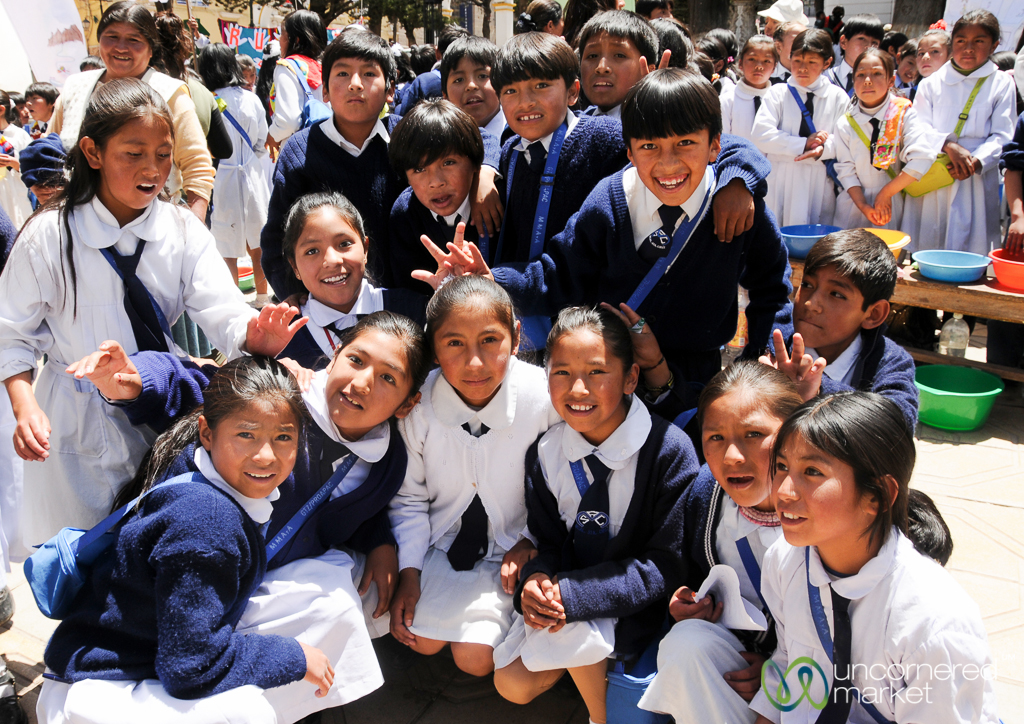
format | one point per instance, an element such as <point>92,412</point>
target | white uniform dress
<point>696,654</point>
<point>919,650</point>
<point>798,193</point>
<point>315,600</point>
<point>94,450</point>
<point>738,108</point>
<point>241,195</point>
<point>964,216</point>
<point>448,466</point>
<point>13,192</point>
<point>103,701</point>
<point>853,162</point>
<point>580,643</point>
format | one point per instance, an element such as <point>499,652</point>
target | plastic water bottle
<point>954,337</point>
<point>736,345</point>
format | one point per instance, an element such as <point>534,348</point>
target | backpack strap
<point>962,118</point>
<point>297,69</point>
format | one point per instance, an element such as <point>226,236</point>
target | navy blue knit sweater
<point>425,85</point>
<point>1012,158</point>
<point>642,565</point>
<point>693,309</point>
<point>593,151</point>
<point>410,219</point>
<point>163,603</point>
<point>8,233</point>
<point>702,507</point>
<point>303,348</point>
<point>357,519</point>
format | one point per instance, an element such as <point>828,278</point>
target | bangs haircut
<point>480,51</point>
<point>888,62</point>
<point>534,56</point>
<point>857,255</point>
<point>671,102</point>
<point>759,42</point>
<point>626,25</point>
<point>815,41</point>
<point>605,323</point>
<point>47,91</point>
<point>908,48</point>
<point>672,36</point>
<point>361,46</point>
<point>863,24</point>
<point>942,35</point>
<point>983,19</point>
<point>433,129</point>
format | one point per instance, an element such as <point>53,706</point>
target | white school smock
<point>289,100</point>
<point>695,654</point>
<point>94,450</point>
<point>580,643</point>
<point>853,163</point>
<point>909,619</point>
<point>738,108</point>
<point>13,192</point>
<point>447,467</point>
<point>964,216</point>
<point>241,194</point>
<point>798,193</point>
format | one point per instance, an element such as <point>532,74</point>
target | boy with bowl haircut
<point>466,81</point>
<point>838,342</point>
<point>859,33</point>
<point>536,76</point>
<point>644,242</point>
<point>40,98</point>
<point>347,153</point>
<point>438,149</point>
<point>611,46</point>
<point>654,9</point>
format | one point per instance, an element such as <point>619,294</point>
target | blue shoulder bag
<point>57,571</point>
<point>314,111</point>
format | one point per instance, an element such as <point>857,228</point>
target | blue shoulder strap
<point>750,565</point>
<point>302,78</point>
<point>803,109</point>
<point>825,636</point>
<point>238,127</point>
<point>164,326</point>
<point>580,476</point>
<point>101,528</point>
<point>292,526</point>
<point>679,239</point>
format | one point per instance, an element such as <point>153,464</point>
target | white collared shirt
<point>908,617</point>
<point>841,368</point>
<point>613,112</point>
<point>462,213</point>
<point>732,526</point>
<point>643,205</point>
<point>370,300</point>
<point>332,133</point>
<point>562,445</point>
<point>370,448</point>
<point>259,509</point>
<point>495,126</point>
<point>842,73</point>
<point>738,108</point>
<point>523,146</point>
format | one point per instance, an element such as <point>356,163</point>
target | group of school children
<point>507,434</point>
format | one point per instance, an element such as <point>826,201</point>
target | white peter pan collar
<point>620,446</point>
<point>498,414</point>
<point>951,76</point>
<point>370,300</point>
<point>747,92</point>
<point>99,229</point>
<point>371,447</point>
<point>816,87</point>
<point>864,581</point>
<point>570,119</point>
<point>259,509</point>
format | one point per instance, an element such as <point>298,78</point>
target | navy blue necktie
<point>875,129</point>
<point>138,304</point>
<point>837,711</point>
<point>590,532</point>
<point>805,130</point>
<point>470,542</point>
<point>657,244</point>
<point>330,453</point>
<point>537,157</point>
<point>757,104</point>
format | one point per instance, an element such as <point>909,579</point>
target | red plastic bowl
<point>1009,269</point>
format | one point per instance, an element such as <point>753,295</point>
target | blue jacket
<point>1012,158</point>
<point>357,519</point>
<point>8,233</point>
<point>164,601</point>
<point>425,85</point>
<point>702,508</point>
<point>643,564</point>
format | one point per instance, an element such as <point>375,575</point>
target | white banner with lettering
<point>51,34</point>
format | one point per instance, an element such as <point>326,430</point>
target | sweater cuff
<point>748,176</point>
<point>142,410</point>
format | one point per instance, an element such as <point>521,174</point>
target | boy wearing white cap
<point>781,12</point>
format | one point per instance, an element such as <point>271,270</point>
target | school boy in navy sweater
<point>347,153</point>
<point>839,314</point>
<point>466,80</point>
<point>537,79</point>
<point>672,123</point>
<point>616,50</point>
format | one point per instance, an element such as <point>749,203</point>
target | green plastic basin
<point>956,398</point>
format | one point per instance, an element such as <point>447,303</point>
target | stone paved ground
<point>977,480</point>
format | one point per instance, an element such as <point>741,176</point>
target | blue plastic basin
<point>799,239</point>
<point>951,266</point>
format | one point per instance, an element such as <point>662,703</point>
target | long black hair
<point>306,34</point>
<point>236,385</point>
<point>219,67</point>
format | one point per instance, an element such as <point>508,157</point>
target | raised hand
<point>485,207</point>
<point>303,377</point>
<point>462,257</point>
<point>800,367</point>
<point>272,329</point>
<point>663,63</point>
<point>733,208</point>
<point>111,370</point>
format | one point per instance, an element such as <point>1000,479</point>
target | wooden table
<point>985,298</point>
